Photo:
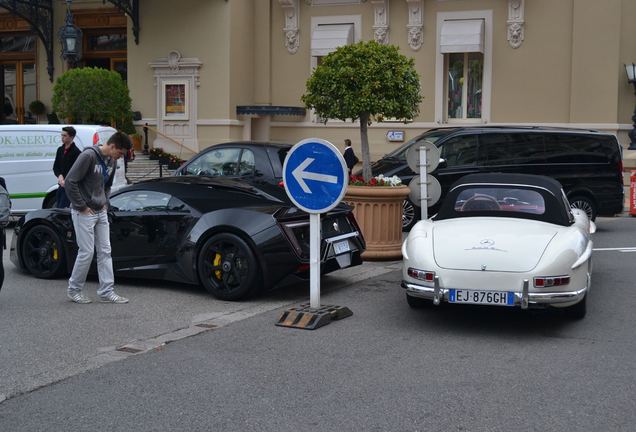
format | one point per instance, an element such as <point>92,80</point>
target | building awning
<point>326,38</point>
<point>459,36</point>
<point>271,110</point>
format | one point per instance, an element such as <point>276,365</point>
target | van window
<point>577,149</point>
<point>511,149</point>
<point>103,136</point>
<point>460,150</point>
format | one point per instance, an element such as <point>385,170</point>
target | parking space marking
<point>620,249</point>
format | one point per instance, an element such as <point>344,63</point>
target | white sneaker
<point>112,297</point>
<point>78,297</point>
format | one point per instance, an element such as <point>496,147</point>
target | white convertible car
<point>502,240</point>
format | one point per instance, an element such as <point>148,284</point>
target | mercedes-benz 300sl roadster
<point>501,240</point>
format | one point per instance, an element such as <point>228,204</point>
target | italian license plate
<point>341,247</point>
<point>497,298</point>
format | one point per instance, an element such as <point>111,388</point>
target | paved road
<point>46,338</point>
<point>385,368</point>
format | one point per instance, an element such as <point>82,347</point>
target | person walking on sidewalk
<point>349,156</point>
<point>87,186</point>
<point>65,157</point>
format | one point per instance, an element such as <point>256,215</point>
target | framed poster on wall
<point>175,100</point>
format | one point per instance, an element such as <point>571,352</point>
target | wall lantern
<point>70,38</point>
<point>631,78</point>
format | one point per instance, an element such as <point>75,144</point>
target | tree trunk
<point>364,147</point>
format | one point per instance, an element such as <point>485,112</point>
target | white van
<point>27,153</point>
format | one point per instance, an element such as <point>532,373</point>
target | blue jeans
<point>61,200</point>
<point>92,234</point>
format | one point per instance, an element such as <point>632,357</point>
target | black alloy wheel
<point>227,267</point>
<point>49,201</point>
<point>409,215</point>
<point>42,252</point>
<point>584,203</point>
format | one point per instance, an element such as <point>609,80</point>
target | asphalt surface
<point>385,368</point>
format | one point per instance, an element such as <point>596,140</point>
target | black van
<point>587,163</point>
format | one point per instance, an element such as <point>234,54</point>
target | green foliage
<point>366,81</point>
<point>92,96</point>
<point>366,77</point>
<point>37,107</point>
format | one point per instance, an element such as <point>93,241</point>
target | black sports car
<point>233,238</point>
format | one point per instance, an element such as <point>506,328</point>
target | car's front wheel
<point>227,267</point>
<point>410,214</point>
<point>584,203</point>
<point>42,252</point>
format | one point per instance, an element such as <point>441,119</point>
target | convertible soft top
<point>554,207</point>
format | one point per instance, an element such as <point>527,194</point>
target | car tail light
<point>281,184</point>
<point>95,138</point>
<point>298,235</point>
<point>424,275</point>
<point>550,281</point>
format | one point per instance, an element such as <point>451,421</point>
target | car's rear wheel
<point>49,201</point>
<point>42,252</point>
<point>410,215</point>
<point>417,302</point>
<point>227,267</point>
<point>584,203</point>
<point>577,311</point>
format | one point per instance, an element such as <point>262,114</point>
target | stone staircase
<point>143,168</point>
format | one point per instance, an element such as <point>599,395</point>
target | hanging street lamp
<point>70,38</point>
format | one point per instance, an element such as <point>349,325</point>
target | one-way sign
<point>315,175</point>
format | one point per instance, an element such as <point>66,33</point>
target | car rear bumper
<point>523,298</point>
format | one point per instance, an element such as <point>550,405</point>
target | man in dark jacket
<point>65,157</point>
<point>349,156</point>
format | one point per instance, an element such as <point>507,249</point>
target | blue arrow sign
<point>315,175</point>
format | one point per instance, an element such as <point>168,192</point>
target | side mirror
<point>442,163</point>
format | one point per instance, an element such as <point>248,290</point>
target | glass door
<point>18,80</point>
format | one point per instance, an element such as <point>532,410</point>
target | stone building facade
<point>204,72</point>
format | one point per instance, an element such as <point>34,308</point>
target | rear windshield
<point>504,200</point>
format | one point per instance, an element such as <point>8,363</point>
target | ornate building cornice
<point>415,26</point>
<point>291,9</point>
<point>381,21</point>
<point>516,23</point>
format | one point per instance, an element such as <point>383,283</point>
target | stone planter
<point>378,210</point>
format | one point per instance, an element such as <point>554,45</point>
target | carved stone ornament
<point>515,23</point>
<point>381,20</point>
<point>290,31</point>
<point>173,60</point>
<point>415,24</point>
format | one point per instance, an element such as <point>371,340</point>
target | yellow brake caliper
<point>55,254</point>
<point>217,262</point>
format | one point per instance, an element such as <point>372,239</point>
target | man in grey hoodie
<point>87,187</point>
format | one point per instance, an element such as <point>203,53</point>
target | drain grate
<point>204,325</point>
<point>130,350</point>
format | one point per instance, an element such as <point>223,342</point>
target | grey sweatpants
<point>92,234</point>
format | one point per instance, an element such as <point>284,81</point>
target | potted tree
<point>37,108</point>
<point>367,82</point>
<point>92,96</point>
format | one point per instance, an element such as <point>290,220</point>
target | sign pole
<point>314,260</point>
<point>423,183</point>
